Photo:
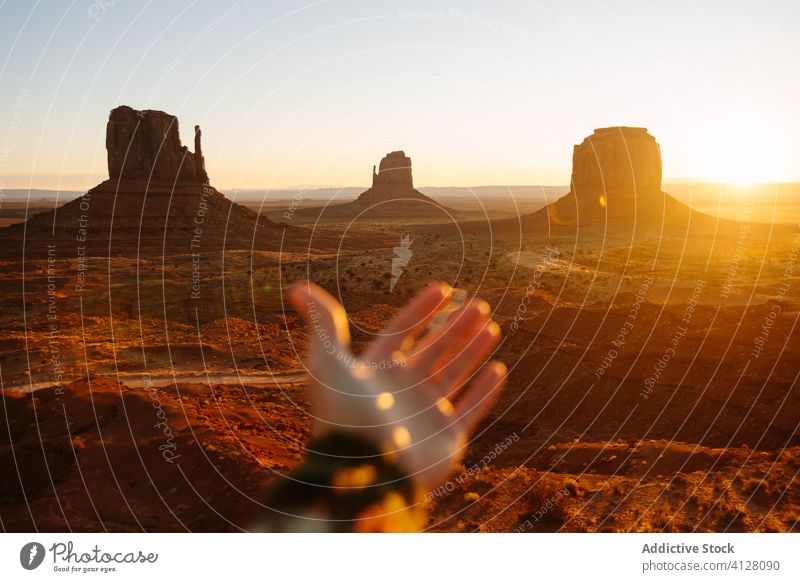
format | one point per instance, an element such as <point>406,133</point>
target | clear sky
<point>477,93</point>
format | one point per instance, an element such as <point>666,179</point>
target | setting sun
<point>741,148</point>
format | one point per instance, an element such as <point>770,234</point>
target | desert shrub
<point>546,502</point>
<point>575,489</point>
<point>660,520</point>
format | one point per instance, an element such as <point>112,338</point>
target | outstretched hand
<point>398,393</point>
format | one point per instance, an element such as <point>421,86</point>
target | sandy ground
<point>593,433</point>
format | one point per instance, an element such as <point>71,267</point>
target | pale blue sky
<point>292,93</point>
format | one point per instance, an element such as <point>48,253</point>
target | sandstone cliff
<point>394,183</point>
<point>391,197</point>
<point>395,168</point>
<point>616,180</point>
<point>147,145</point>
<point>157,201</point>
<point>616,161</point>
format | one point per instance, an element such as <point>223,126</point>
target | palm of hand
<point>397,393</point>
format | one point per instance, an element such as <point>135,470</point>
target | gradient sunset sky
<point>314,93</point>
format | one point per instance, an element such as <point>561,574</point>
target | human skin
<point>415,393</point>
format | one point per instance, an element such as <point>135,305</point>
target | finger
<point>452,372</point>
<point>481,396</point>
<point>463,323</point>
<point>326,318</point>
<point>410,322</point>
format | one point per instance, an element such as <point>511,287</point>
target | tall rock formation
<point>393,183</point>
<point>616,161</point>
<point>157,201</point>
<point>391,197</point>
<point>616,178</point>
<point>395,169</point>
<point>147,145</point>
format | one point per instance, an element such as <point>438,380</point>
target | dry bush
<point>547,502</point>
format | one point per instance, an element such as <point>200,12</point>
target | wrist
<point>345,483</point>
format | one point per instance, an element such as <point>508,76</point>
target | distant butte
<point>617,160</point>
<point>395,169</point>
<point>391,197</point>
<point>616,179</point>
<point>393,182</point>
<point>157,201</point>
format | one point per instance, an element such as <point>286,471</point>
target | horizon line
<point>295,187</point>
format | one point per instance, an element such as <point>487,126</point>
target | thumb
<point>326,318</point>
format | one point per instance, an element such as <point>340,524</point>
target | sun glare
<point>740,149</point>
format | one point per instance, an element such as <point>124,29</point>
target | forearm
<point>344,484</point>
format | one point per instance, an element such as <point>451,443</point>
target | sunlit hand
<point>397,394</point>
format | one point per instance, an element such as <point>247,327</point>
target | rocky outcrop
<point>146,145</point>
<point>616,185</point>
<point>157,201</point>
<point>395,169</point>
<point>393,183</point>
<point>391,197</point>
<point>616,161</point>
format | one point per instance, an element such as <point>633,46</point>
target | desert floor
<point>131,404</point>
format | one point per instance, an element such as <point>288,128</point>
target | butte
<point>156,201</point>
<point>616,180</point>
<point>615,192</point>
<point>392,197</point>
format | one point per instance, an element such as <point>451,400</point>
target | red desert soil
<point>714,447</point>
<point>97,456</point>
<point>653,372</point>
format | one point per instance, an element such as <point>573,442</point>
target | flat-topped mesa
<point>394,169</point>
<point>146,145</point>
<point>616,175</point>
<point>616,162</point>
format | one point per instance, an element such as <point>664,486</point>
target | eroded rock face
<point>146,145</point>
<point>156,202</point>
<point>393,183</point>
<point>395,169</point>
<point>391,197</point>
<point>616,184</point>
<point>616,161</point>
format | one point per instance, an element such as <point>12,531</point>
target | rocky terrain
<point>653,371</point>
